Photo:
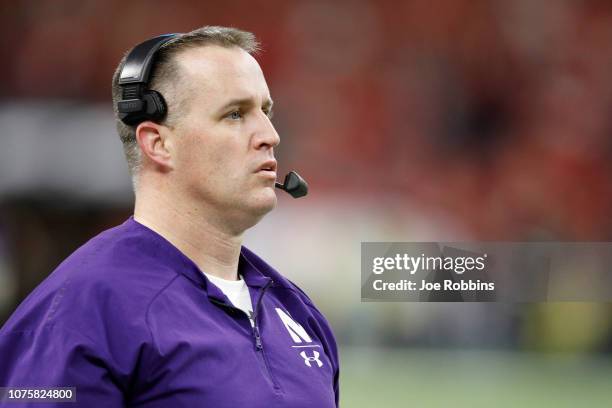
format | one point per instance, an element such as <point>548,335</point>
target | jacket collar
<point>254,271</point>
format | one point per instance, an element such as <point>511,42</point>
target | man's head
<point>217,136</point>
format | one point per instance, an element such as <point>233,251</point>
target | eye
<point>234,115</point>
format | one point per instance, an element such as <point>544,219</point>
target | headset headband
<point>137,67</point>
<point>138,104</point>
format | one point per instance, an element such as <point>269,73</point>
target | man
<point>168,309</point>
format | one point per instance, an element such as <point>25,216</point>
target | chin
<point>250,208</point>
<point>254,209</point>
<point>264,201</point>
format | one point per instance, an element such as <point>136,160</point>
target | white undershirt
<point>237,292</point>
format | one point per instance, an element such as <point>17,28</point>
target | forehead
<point>216,74</point>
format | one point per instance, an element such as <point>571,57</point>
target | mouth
<point>268,169</point>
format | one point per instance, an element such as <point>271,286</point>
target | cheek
<point>214,159</point>
<point>191,156</point>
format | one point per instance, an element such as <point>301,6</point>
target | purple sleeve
<point>55,356</point>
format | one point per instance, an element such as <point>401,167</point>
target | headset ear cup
<point>155,106</point>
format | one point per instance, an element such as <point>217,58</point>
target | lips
<point>269,165</point>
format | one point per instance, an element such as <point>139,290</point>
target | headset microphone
<point>294,185</point>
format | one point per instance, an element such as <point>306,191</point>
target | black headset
<point>138,103</point>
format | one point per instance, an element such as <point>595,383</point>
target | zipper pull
<point>258,344</point>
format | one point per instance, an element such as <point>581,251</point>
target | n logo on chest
<point>296,331</point>
<point>299,335</point>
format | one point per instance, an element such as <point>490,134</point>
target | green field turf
<point>373,377</point>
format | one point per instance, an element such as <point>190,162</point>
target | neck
<point>196,232</point>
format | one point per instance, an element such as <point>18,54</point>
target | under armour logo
<point>308,359</point>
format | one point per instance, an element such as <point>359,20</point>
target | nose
<point>265,135</point>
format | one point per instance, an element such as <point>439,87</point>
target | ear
<point>155,144</point>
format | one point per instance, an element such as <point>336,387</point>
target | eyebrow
<point>246,102</point>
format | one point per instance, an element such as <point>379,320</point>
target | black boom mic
<point>294,185</point>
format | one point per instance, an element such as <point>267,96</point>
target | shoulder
<point>110,279</point>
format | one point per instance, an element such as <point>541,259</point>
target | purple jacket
<point>129,320</point>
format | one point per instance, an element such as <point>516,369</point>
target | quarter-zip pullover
<point>129,320</point>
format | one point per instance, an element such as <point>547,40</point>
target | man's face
<point>224,141</point>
